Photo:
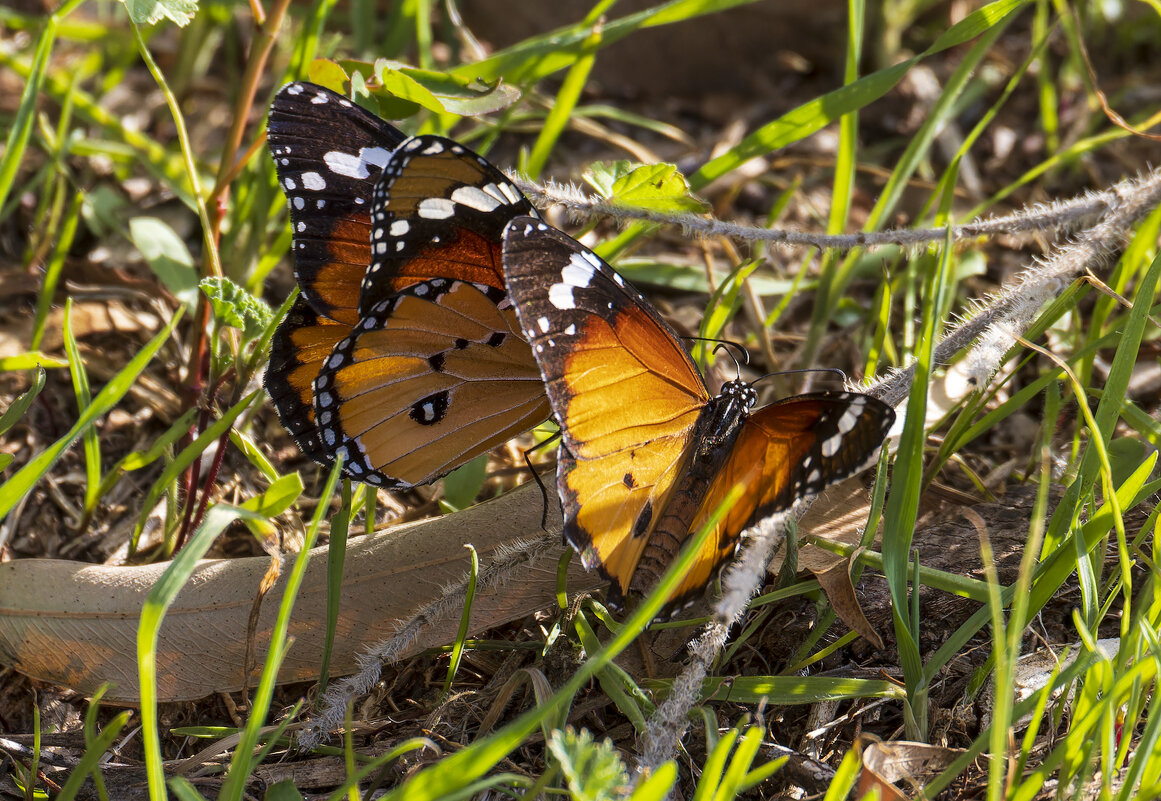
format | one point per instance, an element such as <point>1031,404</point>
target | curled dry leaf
<point>886,765</point>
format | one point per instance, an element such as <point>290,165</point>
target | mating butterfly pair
<point>425,275</point>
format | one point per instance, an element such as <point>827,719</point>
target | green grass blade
<point>84,396</point>
<point>565,105</point>
<point>457,652</point>
<point>188,455</point>
<point>814,115</point>
<point>159,599</point>
<point>243,761</point>
<point>90,761</point>
<point>19,406</point>
<point>26,477</point>
<point>906,484</point>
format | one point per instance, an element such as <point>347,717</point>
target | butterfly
<point>647,454</point>
<point>402,353</point>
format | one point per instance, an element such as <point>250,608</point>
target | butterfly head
<point>740,393</point>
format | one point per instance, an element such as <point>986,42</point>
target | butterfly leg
<point>538,480</point>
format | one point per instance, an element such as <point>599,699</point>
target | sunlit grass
<point>1079,395</point>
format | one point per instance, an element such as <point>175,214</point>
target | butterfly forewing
<point>625,392</point>
<point>329,154</point>
<point>433,376</point>
<point>439,211</point>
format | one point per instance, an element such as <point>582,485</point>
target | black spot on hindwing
<point>430,410</point>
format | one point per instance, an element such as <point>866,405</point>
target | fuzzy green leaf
<point>657,187</point>
<point>594,770</point>
<point>151,12</point>
<point>236,307</point>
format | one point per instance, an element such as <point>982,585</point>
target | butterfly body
<point>647,454</point>
<point>403,354</point>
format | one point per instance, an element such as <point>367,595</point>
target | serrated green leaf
<point>405,89</point>
<point>150,12</point>
<point>594,770</point>
<point>236,307</point>
<point>167,256</point>
<point>657,187</point>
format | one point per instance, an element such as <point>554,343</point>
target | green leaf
<point>19,406</point>
<point>236,307</point>
<point>12,490</point>
<point>405,89</point>
<point>397,83</point>
<point>150,12</point>
<point>594,771</point>
<point>283,791</point>
<point>657,187</point>
<point>327,73</point>
<point>167,256</point>
<point>462,485</point>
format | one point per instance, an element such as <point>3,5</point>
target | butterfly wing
<point>301,343</point>
<point>787,451</point>
<point>439,211</point>
<point>433,376</point>
<point>625,392</point>
<point>329,154</point>
<point>393,358</point>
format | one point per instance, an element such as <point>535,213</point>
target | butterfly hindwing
<point>626,394</point>
<point>788,451</point>
<point>329,154</point>
<point>301,343</point>
<point>439,211</point>
<point>432,377</point>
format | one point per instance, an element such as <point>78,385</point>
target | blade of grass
<point>84,396</point>
<point>159,599</point>
<point>186,457</point>
<point>457,652</point>
<point>567,97</point>
<point>25,117</point>
<point>244,761</point>
<point>22,482</point>
<point>903,504</point>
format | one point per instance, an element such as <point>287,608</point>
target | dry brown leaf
<point>886,764</point>
<point>840,591</point>
<point>75,624</point>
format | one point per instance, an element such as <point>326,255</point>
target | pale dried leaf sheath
<point>83,632</point>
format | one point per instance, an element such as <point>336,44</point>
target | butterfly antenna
<point>728,346</point>
<point>841,375</point>
<point>536,478</point>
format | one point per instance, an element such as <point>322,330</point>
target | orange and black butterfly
<point>647,454</point>
<point>403,353</point>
